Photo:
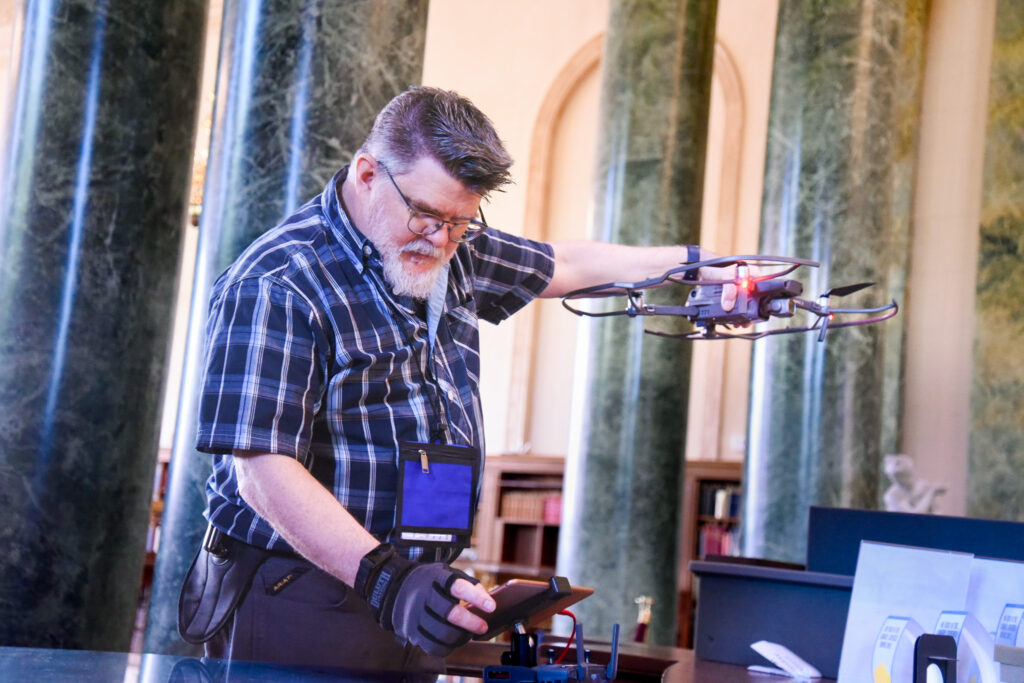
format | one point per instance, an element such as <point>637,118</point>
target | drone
<point>762,293</point>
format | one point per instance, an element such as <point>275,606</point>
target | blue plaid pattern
<point>310,355</point>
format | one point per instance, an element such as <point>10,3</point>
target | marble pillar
<point>95,183</point>
<point>299,84</point>
<point>838,178</point>
<point>996,455</point>
<point>625,470</point>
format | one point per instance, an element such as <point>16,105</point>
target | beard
<point>403,281</point>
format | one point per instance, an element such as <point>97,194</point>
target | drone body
<point>762,293</point>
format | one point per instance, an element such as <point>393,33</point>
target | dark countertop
<point>636,663</point>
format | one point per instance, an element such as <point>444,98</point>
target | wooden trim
<point>521,385</point>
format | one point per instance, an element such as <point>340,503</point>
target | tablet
<point>527,602</point>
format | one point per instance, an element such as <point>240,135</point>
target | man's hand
<point>474,595</point>
<point>728,276</point>
<point>420,602</point>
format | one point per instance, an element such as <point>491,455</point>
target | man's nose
<point>439,238</point>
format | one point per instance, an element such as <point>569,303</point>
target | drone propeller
<point>826,312</point>
<point>847,289</point>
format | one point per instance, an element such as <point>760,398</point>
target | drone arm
<point>885,311</point>
<point>879,309</point>
<point>685,311</point>
<point>806,305</point>
<point>635,306</point>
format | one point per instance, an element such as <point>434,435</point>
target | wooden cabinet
<point>516,533</point>
<point>709,526</point>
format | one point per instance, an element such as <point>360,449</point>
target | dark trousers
<point>298,615</point>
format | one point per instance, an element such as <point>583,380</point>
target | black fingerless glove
<point>412,599</point>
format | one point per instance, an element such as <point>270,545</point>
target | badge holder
<point>436,494</point>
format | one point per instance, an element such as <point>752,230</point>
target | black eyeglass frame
<point>474,228</point>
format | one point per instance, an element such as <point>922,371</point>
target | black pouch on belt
<point>215,584</point>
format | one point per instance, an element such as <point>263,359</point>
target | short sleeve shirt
<point>310,354</point>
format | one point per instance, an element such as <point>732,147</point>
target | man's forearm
<point>305,513</point>
<point>585,264</point>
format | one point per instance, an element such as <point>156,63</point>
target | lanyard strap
<point>435,305</point>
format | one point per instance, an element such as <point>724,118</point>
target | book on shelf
<point>534,506</point>
<point>718,539</point>
<point>720,500</point>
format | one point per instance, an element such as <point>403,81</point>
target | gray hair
<point>446,126</point>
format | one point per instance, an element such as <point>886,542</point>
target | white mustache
<point>423,248</point>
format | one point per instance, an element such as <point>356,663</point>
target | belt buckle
<point>215,542</point>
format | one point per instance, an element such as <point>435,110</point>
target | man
<point>339,342</point>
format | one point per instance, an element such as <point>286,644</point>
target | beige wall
<point>525,45</point>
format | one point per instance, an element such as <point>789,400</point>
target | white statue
<point>908,492</point>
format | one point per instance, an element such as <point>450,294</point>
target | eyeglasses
<point>424,223</point>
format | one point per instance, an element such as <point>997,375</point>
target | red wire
<point>572,635</point>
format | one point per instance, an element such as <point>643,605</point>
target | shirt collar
<point>364,253</point>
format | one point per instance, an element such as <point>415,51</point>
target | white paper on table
<point>898,592</point>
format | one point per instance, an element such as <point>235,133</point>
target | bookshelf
<point>518,518</point>
<point>710,526</point>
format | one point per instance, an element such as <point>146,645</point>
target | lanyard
<point>435,305</point>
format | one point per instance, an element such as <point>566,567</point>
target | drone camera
<point>781,308</point>
<point>776,297</point>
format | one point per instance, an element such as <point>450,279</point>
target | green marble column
<point>838,178</point>
<point>625,472</point>
<point>94,201</point>
<point>996,458</point>
<point>299,84</point>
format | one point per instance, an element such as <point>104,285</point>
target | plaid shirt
<point>309,354</point>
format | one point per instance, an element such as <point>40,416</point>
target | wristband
<point>369,568</point>
<point>692,256</point>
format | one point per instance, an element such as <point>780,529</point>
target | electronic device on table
<point>521,603</point>
<point>763,294</point>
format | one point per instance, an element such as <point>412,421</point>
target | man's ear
<point>364,171</point>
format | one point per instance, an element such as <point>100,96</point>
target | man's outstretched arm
<point>586,264</point>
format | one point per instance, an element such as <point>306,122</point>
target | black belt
<point>219,544</point>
